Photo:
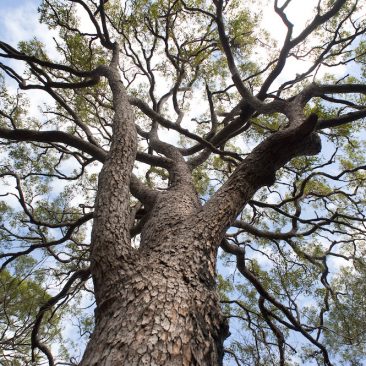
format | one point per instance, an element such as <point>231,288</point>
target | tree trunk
<point>165,310</point>
<point>156,305</point>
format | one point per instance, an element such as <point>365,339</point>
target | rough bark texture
<point>162,313</point>
<point>164,309</point>
<point>156,305</point>
<point>110,236</point>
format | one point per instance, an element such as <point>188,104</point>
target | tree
<point>267,165</point>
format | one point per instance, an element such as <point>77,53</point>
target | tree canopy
<point>210,84</point>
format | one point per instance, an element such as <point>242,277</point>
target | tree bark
<point>165,310</point>
<point>160,316</point>
<point>156,305</point>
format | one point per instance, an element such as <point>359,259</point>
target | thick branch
<point>272,234</point>
<point>17,55</point>
<point>256,171</point>
<point>54,136</point>
<point>318,90</point>
<point>139,190</point>
<point>111,250</point>
<point>341,120</point>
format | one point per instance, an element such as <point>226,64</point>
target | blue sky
<point>10,16</point>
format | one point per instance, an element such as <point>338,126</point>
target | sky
<point>19,21</point>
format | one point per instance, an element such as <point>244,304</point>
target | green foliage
<point>34,48</point>
<point>201,180</point>
<point>21,296</point>
<point>347,321</point>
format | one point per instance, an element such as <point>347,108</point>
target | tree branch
<point>82,275</point>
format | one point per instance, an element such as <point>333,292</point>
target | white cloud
<point>21,23</point>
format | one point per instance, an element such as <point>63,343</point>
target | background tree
<point>174,128</point>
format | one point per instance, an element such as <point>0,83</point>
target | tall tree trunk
<point>165,310</point>
<point>156,305</point>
